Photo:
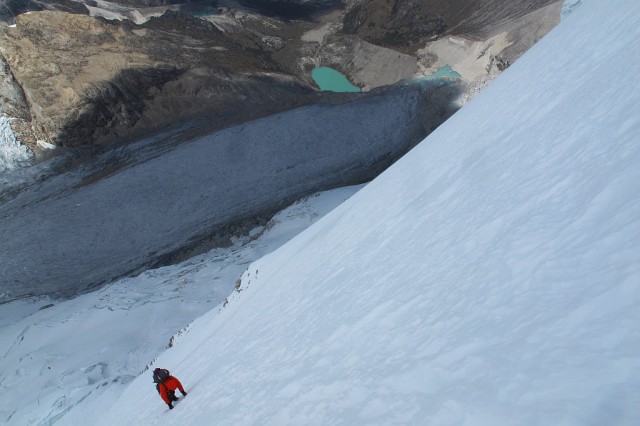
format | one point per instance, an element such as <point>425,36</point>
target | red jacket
<point>171,384</point>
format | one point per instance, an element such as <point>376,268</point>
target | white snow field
<point>67,363</point>
<point>12,153</point>
<point>490,277</point>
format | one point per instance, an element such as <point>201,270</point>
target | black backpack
<point>160,375</point>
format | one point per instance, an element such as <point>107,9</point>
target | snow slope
<point>64,362</point>
<point>489,277</point>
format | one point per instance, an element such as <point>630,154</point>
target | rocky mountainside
<point>10,9</point>
<point>395,24</point>
<point>293,9</point>
<point>76,80</point>
<point>125,69</point>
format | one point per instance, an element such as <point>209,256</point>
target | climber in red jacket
<point>166,386</point>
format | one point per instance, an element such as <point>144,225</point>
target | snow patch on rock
<point>12,153</point>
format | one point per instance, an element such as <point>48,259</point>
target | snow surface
<point>568,6</point>
<point>65,363</point>
<point>12,153</point>
<point>490,277</point>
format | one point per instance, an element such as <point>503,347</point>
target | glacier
<point>490,277</point>
<point>147,204</point>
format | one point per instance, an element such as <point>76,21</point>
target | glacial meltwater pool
<point>329,79</point>
<point>443,72</point>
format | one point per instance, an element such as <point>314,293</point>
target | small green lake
<point>443,72</point>
<point>331,80</point>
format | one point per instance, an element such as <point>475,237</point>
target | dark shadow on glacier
<point>71,234</point>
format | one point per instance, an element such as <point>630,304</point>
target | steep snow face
<point>489,277</point>
<point>66,362</point>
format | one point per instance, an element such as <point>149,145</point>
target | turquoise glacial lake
<point>443,72</point>
<point>331,80</point>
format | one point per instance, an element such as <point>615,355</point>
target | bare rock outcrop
<point>88,80</point>
<point>10,9</point>
<point>408,24</point>
<point>397,24</point>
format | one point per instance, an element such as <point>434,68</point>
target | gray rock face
<point>11,94</point>
<point>143,206</point>
<point>398,23</point>
<point>292,9</point>
<point>151,3</point>
<point>478,18</point>
<point>408,24</point>
<point>10,9</point>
